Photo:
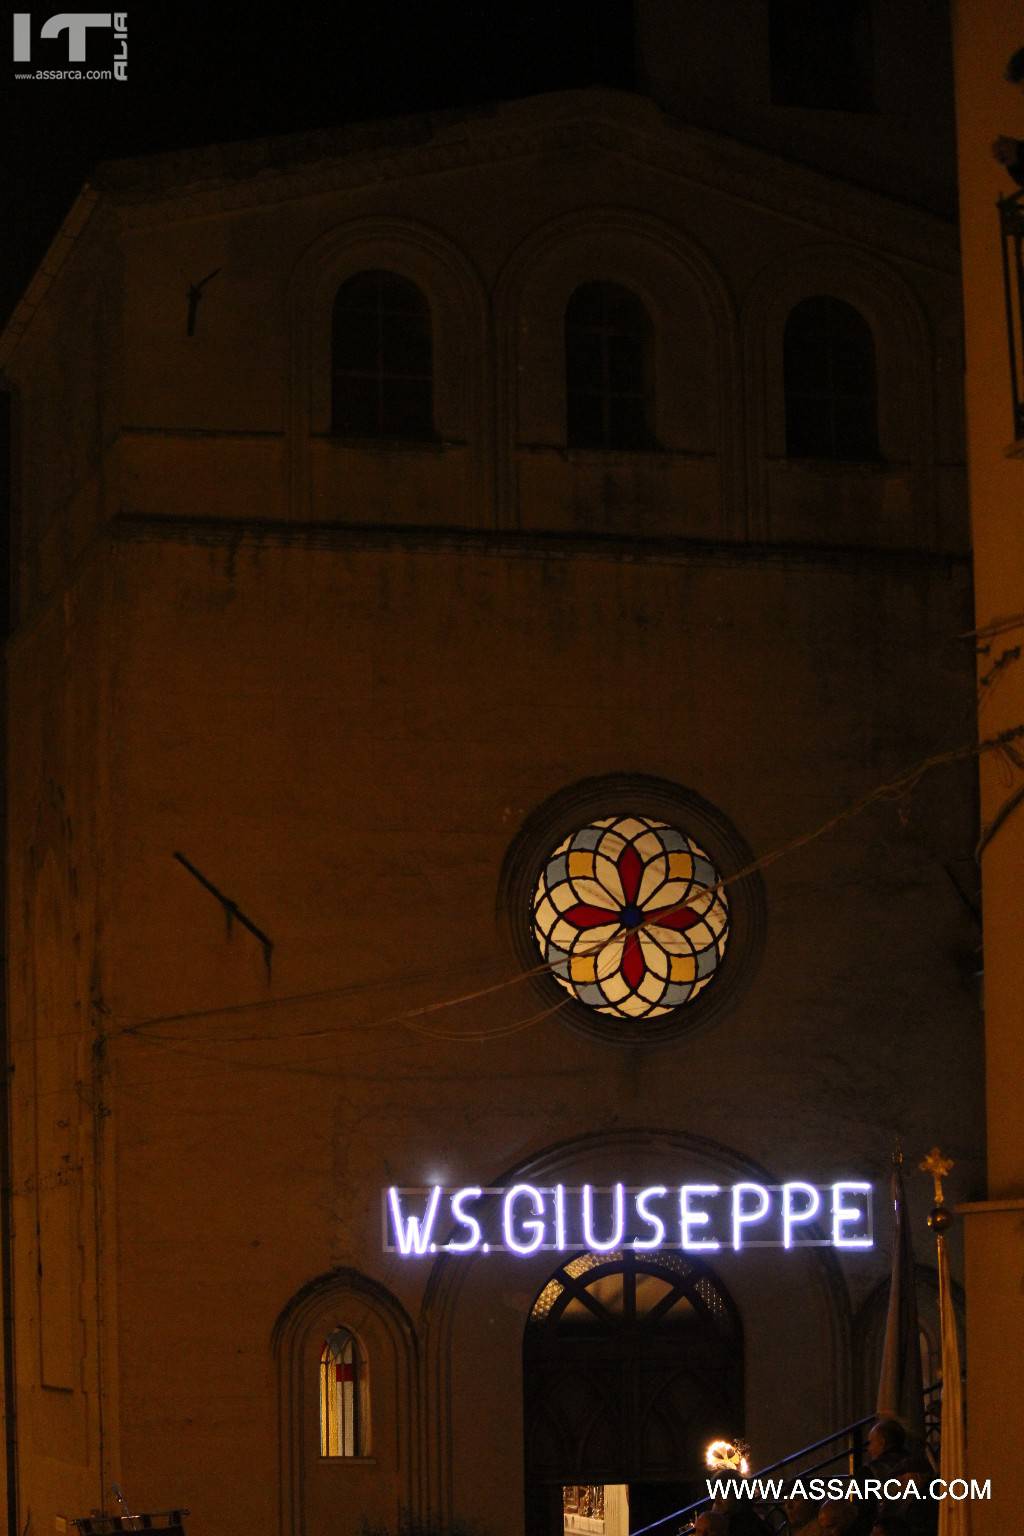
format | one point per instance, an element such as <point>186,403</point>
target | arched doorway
<point>632,1362</point>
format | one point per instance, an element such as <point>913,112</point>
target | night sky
<point>199,74</point>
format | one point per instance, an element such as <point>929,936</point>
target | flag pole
<point>954,1515</point>
<point>900,1388</point>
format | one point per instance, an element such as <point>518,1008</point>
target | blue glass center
<point>631,917</point>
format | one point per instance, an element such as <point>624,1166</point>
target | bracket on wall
<point>195,293</point>
<point>232,911</point>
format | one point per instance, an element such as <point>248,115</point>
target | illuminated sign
<point>698,1218</point>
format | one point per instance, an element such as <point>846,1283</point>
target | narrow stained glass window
<point>631,917</point>
<point>607,369</point>
<point>830,385</point>
<point>382,359</point>
<point>344,1396</point>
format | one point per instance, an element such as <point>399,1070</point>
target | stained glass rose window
<point>629,915</point>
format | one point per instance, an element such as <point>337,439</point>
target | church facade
<point>472,577</point>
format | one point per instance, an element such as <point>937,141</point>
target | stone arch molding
<point>903,345</point>
<point>459,311</point>
<point>696,349</point>
<point>475,1308</point>
<point>388,1479</point>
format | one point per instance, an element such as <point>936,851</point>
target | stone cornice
<point>137,528</point>
<point>236,177</point>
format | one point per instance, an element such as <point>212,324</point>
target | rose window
<point>630,917</point>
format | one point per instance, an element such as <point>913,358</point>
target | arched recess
<point>794,1307</point>
<point>588,801</point>
<point>329,1496</point>
<point>56,1070</point>
<point>52,1161</point>
<point>887,502</point>
<point>869,1334</point>
<point>460,323</point>
<point>688,486</point>
<point>632,1363</point>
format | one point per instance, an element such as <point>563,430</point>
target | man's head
<point>1015,68</point>
<point>886,1435</point>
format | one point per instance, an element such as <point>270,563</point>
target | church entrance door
<point>632,1364</point>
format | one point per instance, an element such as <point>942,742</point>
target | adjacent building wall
<point>986,35</point>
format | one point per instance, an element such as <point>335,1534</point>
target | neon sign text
<point>698,1218</point>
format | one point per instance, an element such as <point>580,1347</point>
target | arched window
<point>830,385</point>
<point>607,368</point>
<point>382,359</point>
<point>344,1396</point>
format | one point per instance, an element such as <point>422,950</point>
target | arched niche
<point>684,485</point>
<point>52,1152</point>
<point>330,1495</point>
<point>869,1336</point>
<point>333,479</point>
<point>888,501</point>
<point>793,1307</point>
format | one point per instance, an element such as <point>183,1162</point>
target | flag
<point>954,1515</point>
<point>900,1390</point>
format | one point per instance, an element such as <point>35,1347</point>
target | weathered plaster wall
<point>345,738</point>
<point>62,1194</point>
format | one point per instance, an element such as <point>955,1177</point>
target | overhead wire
<point>994,627</point>
<point>411,1018</point>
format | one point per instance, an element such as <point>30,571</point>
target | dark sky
<point>198,74</point>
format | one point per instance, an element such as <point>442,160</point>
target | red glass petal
<point>679,918</point>
<point>633,963</point>
<point>630,867</point>
<point>584,916</point>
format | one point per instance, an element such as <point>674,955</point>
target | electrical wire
<point>894,789</point>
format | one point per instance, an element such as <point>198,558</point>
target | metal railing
<point>167,1522</point>
<point>849,1446</point>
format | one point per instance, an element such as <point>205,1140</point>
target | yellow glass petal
<point>545,917</point>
